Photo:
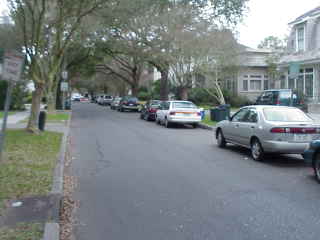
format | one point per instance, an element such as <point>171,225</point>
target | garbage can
<point>42,120</point>
<point>220,113</point>
<point>203,114</point>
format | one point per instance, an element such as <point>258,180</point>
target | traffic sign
<point>64,86</point>
<point>12,66</point>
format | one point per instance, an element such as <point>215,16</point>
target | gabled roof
<point>311,13</point>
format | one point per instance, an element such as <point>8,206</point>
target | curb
<point>52,230</point>
<point>207,127</point>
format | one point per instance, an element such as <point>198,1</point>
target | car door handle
<point>237,125</point>
<point>252,127</point>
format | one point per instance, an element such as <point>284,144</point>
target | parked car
<point>115,103</point>
<point>312,157</point>
<point>182,112</point>
<point>263,129</point>
<point>107,100</point>
<point>281,97</point>
<point>148,110</point>
<point>84,99</point>
<point>128,103</point>
<point>76,97</point>
<point>100,99</point>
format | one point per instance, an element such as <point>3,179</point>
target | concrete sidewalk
<point>17,117</point>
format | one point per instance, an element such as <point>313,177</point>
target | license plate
<point>302,137</point>
<point>130,104</point>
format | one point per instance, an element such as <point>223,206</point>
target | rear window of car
<point>285,94</point>
<point>183,105</point>
<point>285,115</point>
<point>133,99</point>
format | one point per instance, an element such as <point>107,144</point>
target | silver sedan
<point>268,129</point>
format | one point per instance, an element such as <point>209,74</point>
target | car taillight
<point>153,110</point>
<point>172,113</point>
<point>295,130</point>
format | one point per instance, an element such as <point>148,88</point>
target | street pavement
<point>140,181</point>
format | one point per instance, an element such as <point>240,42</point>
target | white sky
<point>265,18</point>
<point>271,17</point>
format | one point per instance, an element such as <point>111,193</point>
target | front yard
<point>27,170</point>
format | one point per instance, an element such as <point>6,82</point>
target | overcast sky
<point>265,18</point>
<point>271,17</point>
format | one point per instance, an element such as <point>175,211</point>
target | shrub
<point>19,95</point>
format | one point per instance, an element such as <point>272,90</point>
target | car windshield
<point>285,115</point>
<point>184,105</point>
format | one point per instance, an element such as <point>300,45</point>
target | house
<point>252,74</point>
<point>300,66</point>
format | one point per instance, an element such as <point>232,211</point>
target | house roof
<point>305,58</point>
<point>311,13</point>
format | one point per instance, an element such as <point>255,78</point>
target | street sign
<point>64,87</point>
<point>64,75</point>
<point>12,66</point>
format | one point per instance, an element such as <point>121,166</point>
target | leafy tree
<point>47,28</point>
<point>272,43</point>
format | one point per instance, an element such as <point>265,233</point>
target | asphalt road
<point>140,181</point>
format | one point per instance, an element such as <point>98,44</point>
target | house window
<point>304,82</point>
<point>300,39</point>
<point>255,85</point>
<point>266,85</point>
<point>282,81</point>
<point>245,85</point>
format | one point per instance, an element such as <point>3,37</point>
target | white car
<point>183,112</point>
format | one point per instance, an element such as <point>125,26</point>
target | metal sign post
<point>12,68</point>
<point>64,88</point>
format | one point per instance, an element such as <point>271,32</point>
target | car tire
<point>257,152</point>
<point>167,124</point>
<point>141,116</point>
<point>157,120</point>
<point>195,125</point>
<point>316,166</point>
<point>121,110</point>
<point>221,141</point>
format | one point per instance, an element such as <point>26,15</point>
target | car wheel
<point>167,124</point>
<point>157,120</point>
<point>195,125</point>
<point>141,116</point>
<point>316,167</point>
<point>221,140</point>
<point>257,152</point>
<point>121,110</point>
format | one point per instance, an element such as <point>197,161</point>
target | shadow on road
<point>276,160</point>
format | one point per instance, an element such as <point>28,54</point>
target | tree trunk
<point>51,101</point>
<point>134,90</point>
<point>164,84</point>
<point>184,93</point>
<point>35,109</point>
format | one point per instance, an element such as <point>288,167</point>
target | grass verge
<point>10,113</point>
<point>58,117</point>
<point>208,121</point>
<point>22,232</point>
<point>28,164</point>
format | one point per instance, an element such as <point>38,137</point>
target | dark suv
<point>281,97</point>
<point>129,103</point>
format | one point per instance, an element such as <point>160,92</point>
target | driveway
<point>140,181</point>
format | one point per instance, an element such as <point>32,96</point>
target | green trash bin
<point>220,113</point>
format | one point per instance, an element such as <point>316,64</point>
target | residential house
<point>252,74</point>
<point>301,64</point>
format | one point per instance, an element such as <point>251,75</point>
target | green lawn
<point>32,231</point>
<point>208,121</point>
<point>2,113</point>
<point>58,117</point>
<point>28,164</point>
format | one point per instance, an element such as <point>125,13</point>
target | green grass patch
<point>58,117</point>
<point>32,231</point>
<point>10,113</point>
<point>208,121</point>
<point>28,164</point>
